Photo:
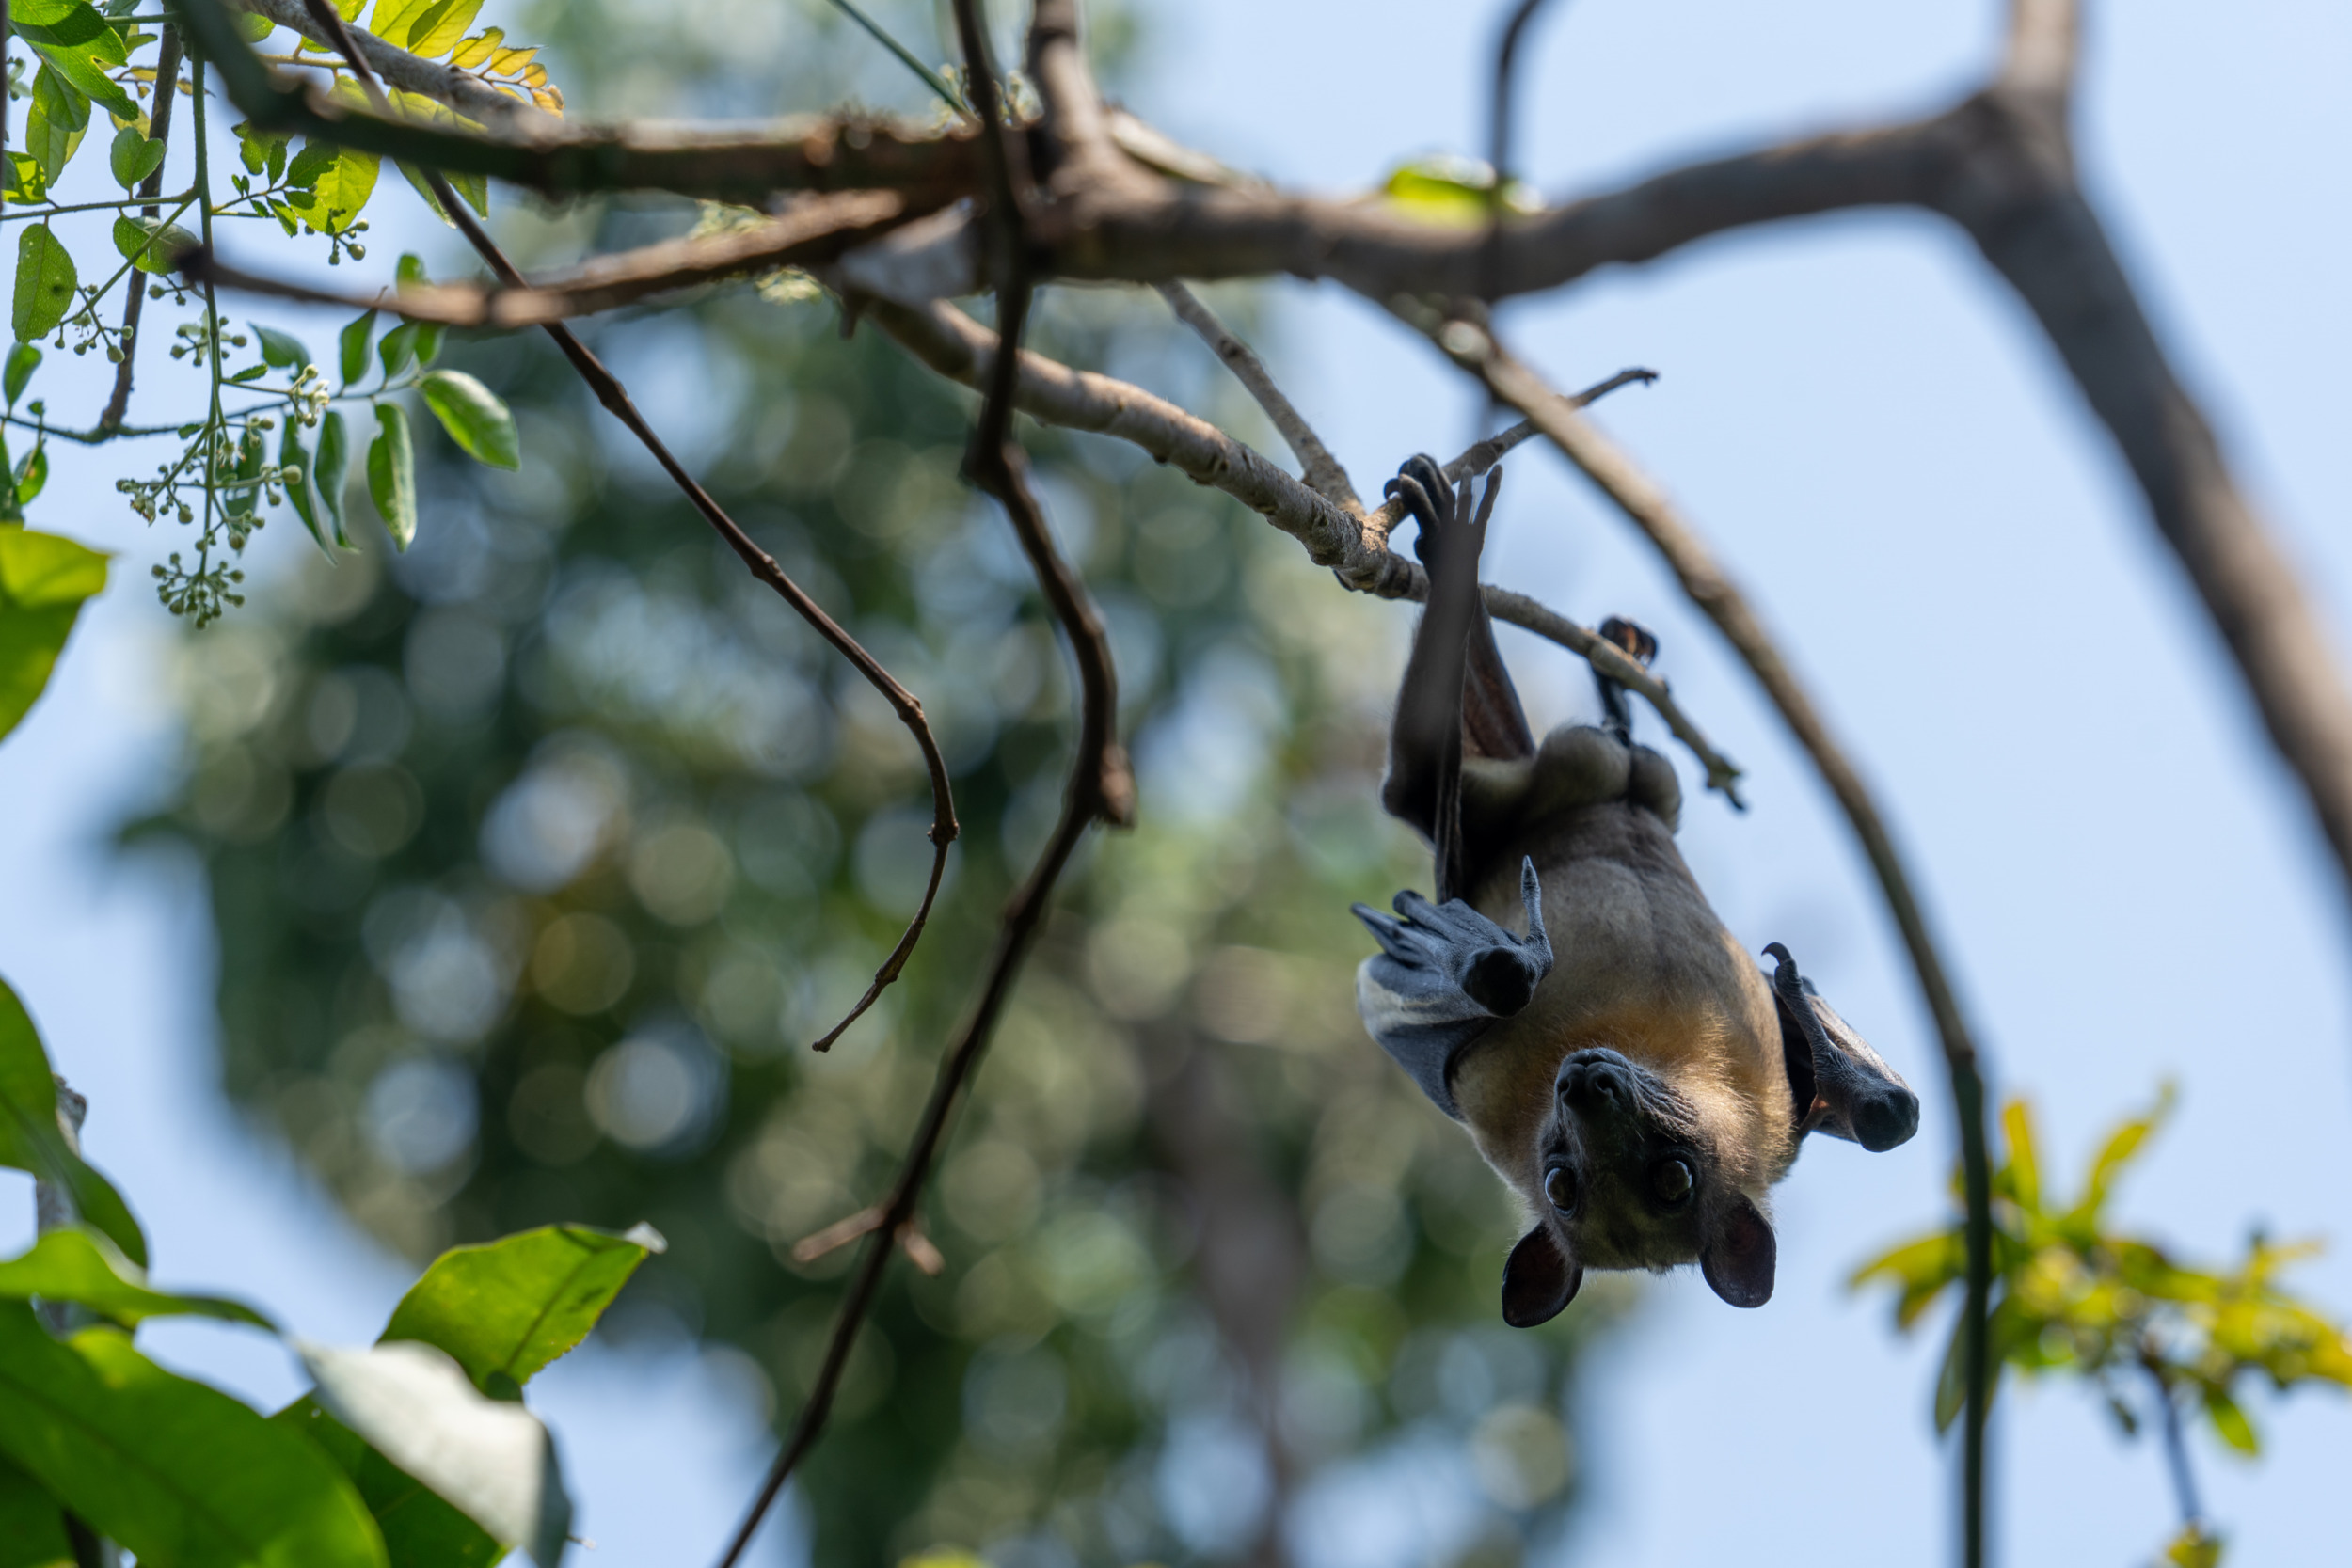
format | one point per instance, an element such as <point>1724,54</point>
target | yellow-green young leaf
<point>354,346</point>
<point>46,281</point>
<point>421,1530</point>
<point>32,1526</point>
<point>2193,1548</point>
<point>23,359</point>
<point>341,191</point>
<point>43,580</point>
<point>81,1266</point>
<point>2025,1164</point>
<point>2121,1145</point>
<point>326,473</point>
<point>507,1308</point>
<point>393,474</point>
<point>2229,1423</point>
<point>134,157</point>
<point>151,245</point>
<point>509,62</point>
<point>477,49</point>
<point>54,127</point>
<point>179,1473</point>
<point>29,1138</point>
<point>475,418</point>
<point>392,19</point>
<point>81,47</point>
<point>349,10</point>
<point>439,27</point>
<point>22,179</point>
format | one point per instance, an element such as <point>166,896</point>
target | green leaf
<point>1455,191</point>
<point>45,281</point>
<point>327,469</point>
<point>409,269</point>
<point>428,343</point>
<point>151,245</point>
<point>282,349</point>
<point>29,1138</point>
<point>441,26</point>
<point>23,359</point>
<point>491,1459</point>
<point>355,347</point>
<point>2119,1150</point>
<point>340,191</point>
<point>32,1527</point>
<point>2193,1548</point>
<point>54,127</point>
<point>421,1530</point>
<point>134,157</point>
<point>180,1474</point>
<point>81,48</point>
<point>22,179</point>
<point>293,455</point>
<point>393,474</point>
<point>507,1308</point>
<point>2025,1164</point>
<point>2229,1423</point>
<point>398,346</point>
<point>79,1266</point>
<point>392,19</point>
<point>258,148</point>
<point>251,373</point>
<point>32,474</point>
<point>475,418</point>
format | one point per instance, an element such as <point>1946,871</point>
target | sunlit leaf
<point>2193,1548</point>
<point>32,474</point>
<point>2024,1164</point>
<point>475,418</point>
<point>490,1459</point>
<point>180,1474</point>
<point>507,1308</point>
<point>70,1264</point>
<point>393,474</point>
<point>478,49</point>
<point>46,281</point>
<point>22,179</point>
<point>29,1137</point>
<point>438,30</point>
<point>81,47</point>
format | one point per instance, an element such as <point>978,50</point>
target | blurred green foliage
<point>2072,1295</point>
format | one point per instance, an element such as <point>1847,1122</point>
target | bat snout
<point>1597,1082</point>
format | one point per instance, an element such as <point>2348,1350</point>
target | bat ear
<point>1741,1255</point>
<point>1839,1082</point>
<point>1538,1280</point>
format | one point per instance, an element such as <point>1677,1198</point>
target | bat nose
<point>1596,1081</point>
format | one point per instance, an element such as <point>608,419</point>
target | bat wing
<point>1841,1085</point>
<point>1443,974</point>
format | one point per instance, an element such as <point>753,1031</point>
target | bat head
<point>1635,1172</point>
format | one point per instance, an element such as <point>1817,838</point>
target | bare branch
<point>1320,469</point>
<point>398,69</point>
<point>2044,38</point>
<point>1710,586</point>
<point>846,153</point>
<point>1081,150</point>
<point>813,230</point>
<point>841,1232</point>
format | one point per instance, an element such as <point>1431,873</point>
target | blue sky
<point>1884,451</point>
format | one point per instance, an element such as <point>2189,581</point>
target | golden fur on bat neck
<point>1641,963</point>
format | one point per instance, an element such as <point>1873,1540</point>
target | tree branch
<point>813,230</point>
<point>1321,471</point>
<point>398,69</point>
<point>1710,586</point>
<point>158,131</point>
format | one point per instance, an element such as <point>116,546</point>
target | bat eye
<point>1671,1180</point>
<point>1560,1187</point>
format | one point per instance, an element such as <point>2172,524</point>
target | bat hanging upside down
<point>1620,1060</point>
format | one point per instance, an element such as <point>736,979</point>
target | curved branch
<point>1319,471</point>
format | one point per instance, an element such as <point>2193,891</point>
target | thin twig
<point>1711,588</point>
<point>1499,138</point>
<point>151,190</point>
<point>931,78</point>
<point>815,230</point>
<point>1100,785</point>
<point>2176,1443</point>
<point>764,566</point>
<point>1317,466</point>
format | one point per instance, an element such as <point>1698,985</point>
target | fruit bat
<point>1632,1073</point>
